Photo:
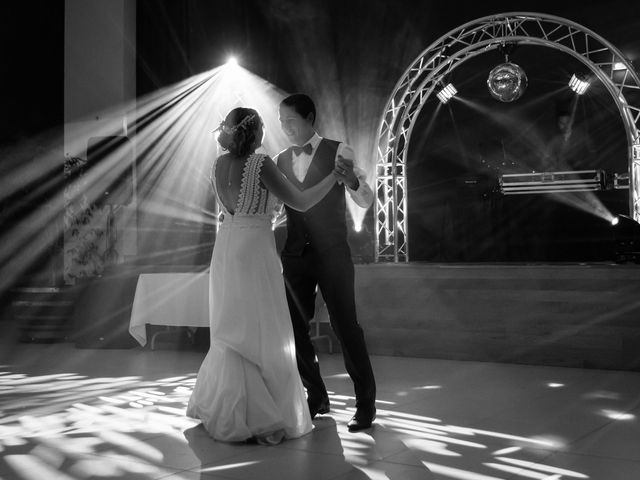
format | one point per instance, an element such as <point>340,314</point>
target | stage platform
<point>574,315</point>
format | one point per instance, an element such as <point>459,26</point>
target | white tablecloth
<point>176,299</point>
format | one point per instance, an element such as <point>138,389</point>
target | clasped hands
<point>344,173</point>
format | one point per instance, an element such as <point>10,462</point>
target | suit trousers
<point>333,272</point>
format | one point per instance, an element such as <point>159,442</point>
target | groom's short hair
<point>302,104</point>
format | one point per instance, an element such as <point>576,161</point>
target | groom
<point>316,254</point>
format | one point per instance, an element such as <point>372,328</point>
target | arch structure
<point>477,37</point>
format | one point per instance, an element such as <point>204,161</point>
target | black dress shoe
<point>318,408</point>
<point>361,420</point>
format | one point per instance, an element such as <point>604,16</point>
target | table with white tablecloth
<point>170,299</point>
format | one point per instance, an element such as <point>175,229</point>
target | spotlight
<point>232,61</point>
<point>578,84</point>
<point>626,234</point>
<point>615,221</point>
<point>619,66</point>
<point>447,93</point>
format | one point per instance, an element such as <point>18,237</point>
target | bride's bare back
<point>260,175</point>
<point>229,171</point>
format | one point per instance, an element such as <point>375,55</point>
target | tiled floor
<point>70,413</point>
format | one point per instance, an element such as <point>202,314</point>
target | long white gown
<point>248,384</point>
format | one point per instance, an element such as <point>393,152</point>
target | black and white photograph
<point>319,240</point>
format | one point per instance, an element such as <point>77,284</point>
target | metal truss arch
<point>452,49</point>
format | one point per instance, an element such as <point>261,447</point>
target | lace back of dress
<point>254,198</point>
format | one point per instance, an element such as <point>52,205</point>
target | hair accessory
<point>231,130</point>
<point>245,121</point>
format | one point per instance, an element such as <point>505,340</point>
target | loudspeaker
<point>111,158</point>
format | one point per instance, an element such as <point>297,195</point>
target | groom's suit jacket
<point>323,225</point>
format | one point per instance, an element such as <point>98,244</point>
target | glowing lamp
<point>578,85</point>
<point>447,93</point>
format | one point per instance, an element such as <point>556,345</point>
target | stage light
<point>507,82</point>
<point>232,61</point>
<point>615,221</point>
<point>578,84</point>
<point>619,66</point>
<point>621,181</point>
<point>447,93</point>
<point>552,182</point>
<point>626,239</point>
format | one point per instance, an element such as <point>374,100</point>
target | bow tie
<point>306,149</point>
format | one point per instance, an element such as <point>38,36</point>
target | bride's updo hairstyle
<point>240,132</point>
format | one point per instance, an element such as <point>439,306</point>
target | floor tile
<point>387,471</point>
<point>594,467</point>
<point>465,462</point>
<point>276,463</point>
<point>620,439</point>
<point>361,447</point>
<point>193,475</point>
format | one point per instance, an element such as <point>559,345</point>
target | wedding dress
<point>248,385</point>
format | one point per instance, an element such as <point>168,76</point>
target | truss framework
<point>426,73</point>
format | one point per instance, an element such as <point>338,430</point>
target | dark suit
<point>316,252</point>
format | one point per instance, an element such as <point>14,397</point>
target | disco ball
<point>507,82</point>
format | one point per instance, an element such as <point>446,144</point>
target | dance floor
<point>70,413</point>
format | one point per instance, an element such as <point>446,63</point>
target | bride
<point>248,386</point>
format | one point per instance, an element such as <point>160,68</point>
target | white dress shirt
<point>363,196</point>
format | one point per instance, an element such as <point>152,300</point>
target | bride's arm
<point>300,200</point>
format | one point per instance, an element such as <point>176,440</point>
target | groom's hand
<point>345,173</point>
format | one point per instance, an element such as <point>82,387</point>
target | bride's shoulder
<point>220,158</point>
<point>268,167</point>
<point>262,158</point>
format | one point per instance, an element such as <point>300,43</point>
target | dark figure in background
<point>570,147</point>
<point>316,254</point>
